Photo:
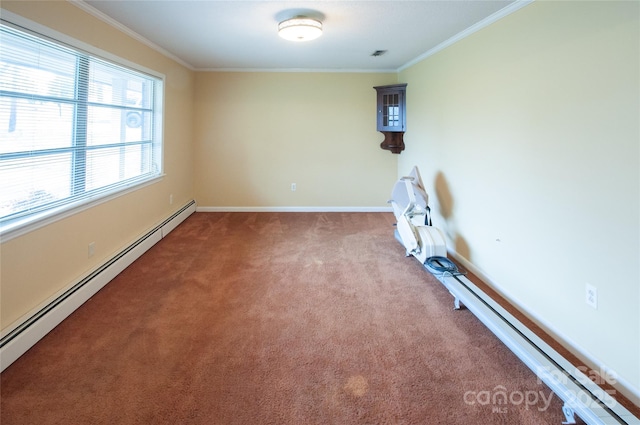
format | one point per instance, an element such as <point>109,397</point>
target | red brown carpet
<point>274,318</point>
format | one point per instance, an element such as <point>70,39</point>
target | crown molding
<point>128,31</point>
<point>511,8</point>
<point>291,209</point>
<point>505,11</point>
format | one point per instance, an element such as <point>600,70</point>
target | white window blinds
<point>73,127</point>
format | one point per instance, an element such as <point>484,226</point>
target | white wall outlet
<point>171,199</point>
<point>293,187</point>
<point>592,296</point>
<point>92,249</point>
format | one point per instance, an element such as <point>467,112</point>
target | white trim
<point>29,337</point>
<point>131,33</point>
<point>45,31</point>
<point>293,209</point>
<point>179,218</point>
<point>622,385</point>
<point>301,70</point>
<point>126,30</point>
<point>89,285</point>
<point>14,228</point>
<point>536,354</point>
<point>517,5</point>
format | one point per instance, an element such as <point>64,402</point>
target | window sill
<point>11,229</point>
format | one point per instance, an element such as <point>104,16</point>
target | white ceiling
<point>242,34</point>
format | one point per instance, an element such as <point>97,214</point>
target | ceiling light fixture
<point>300,28</point>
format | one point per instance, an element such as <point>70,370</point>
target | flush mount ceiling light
<point>300,28</point>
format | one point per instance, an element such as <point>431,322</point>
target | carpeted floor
<point>274,318</point>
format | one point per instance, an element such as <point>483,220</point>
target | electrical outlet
<point>171,199</point>
<point>592,296</point>
<point>293,187</point>
<point>92,249</point>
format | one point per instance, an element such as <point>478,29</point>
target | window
<point>73,127</point>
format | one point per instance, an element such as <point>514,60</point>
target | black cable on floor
<point>442,265</point>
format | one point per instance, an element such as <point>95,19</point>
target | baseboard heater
<point>40,322</point>
<point>579,393</point>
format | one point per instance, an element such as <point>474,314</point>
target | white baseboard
<point>15,341</point>
<point>177,218</point>
<point>572,393</point>
<point>293,209</point>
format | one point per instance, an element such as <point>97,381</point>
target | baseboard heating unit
<point>18,339</point>
<point>581,396</point>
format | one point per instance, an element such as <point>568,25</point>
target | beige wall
<point>45,261</point>
<point>256,133</point>
<point>527,136</point>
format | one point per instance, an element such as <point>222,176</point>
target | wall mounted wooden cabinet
<point>391,116</point>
